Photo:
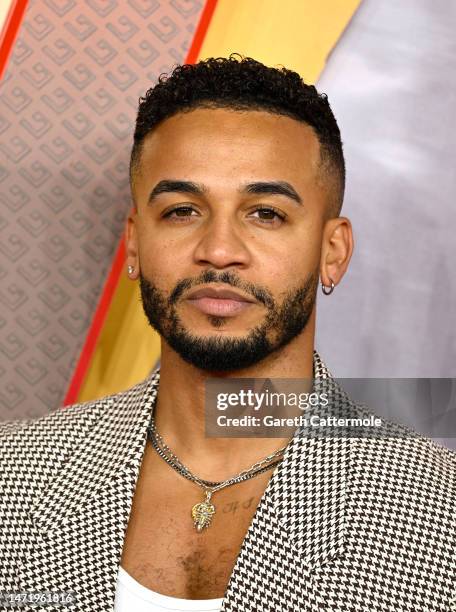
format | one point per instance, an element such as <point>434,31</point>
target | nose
<point>222,245</point>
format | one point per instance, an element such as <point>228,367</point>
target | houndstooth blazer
<point>345,524</point>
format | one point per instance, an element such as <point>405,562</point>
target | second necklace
<point>203,512</point>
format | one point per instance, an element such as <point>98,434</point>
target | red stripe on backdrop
<point>119,259</point>
<point>10,30</point>
<point>201,30</point>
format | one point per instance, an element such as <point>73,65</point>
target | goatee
<point>281,324</point>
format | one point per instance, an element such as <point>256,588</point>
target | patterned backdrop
<point>68,103</point>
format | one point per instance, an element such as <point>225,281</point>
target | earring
<point>131,269</point>
<point>327,291</point>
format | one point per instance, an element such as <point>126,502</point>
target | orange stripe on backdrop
<point>99,319</point>
<point>299,34</point>
<point>11,14</point>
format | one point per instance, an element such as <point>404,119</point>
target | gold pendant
<point>202,513</point>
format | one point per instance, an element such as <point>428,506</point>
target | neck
<point>180,409</point>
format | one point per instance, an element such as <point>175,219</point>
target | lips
<point>220,294</point>
<point>219,302</point>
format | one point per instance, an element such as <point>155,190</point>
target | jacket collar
<point>81,518</point>
<point>110,455</point>
<point>78,523</point>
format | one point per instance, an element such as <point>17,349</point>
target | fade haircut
<point>242,83</point>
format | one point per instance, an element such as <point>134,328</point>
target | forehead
<point>229,143</point>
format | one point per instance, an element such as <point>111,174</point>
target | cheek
<point>306,250</point>
<point>293,257</point>
<point>163,262</point>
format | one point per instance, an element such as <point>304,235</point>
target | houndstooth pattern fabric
<point>345,525</point>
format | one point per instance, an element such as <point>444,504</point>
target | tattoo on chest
<point>235,506</point>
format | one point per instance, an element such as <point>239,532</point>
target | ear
<point>131,243</point>
<point>336,251</point>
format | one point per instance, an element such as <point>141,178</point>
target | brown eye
<point>181,211</point>
<point>268,215</point>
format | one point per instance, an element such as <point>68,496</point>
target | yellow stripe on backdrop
<point>298,34</point>
<point>127,347</point>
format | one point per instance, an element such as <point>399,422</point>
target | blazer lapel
<point>79,523</point>
<point>299,524</point>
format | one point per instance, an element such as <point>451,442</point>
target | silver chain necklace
<point>203,512</point>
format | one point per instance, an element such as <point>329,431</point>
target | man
<point>237,177</point>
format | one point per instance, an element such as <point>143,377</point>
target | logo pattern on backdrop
<point>68,103</point>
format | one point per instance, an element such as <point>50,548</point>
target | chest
<point>162,549</point>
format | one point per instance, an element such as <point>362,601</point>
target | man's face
<point>241,209</point>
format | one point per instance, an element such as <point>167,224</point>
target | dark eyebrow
<point>170,186</point>
<point>274,188</point>
<point>260,187</point>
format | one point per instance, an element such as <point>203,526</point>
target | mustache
<point>228,278</point>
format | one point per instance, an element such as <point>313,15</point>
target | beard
<point>281,324</point>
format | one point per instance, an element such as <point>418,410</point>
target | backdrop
<point>68,97</point>
<point>68,103</point>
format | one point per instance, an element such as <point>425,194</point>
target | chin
<point>213,325</point>
<point>218,325</point>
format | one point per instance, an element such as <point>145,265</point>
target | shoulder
<point>383,447</point>
<point>50,438</point>
<point>402,443</point>
<point>401,456</point>
<point>408,457</point>
<point>402,487</point>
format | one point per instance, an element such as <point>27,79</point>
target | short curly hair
<point>242,83</point>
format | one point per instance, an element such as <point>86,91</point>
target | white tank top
<point>134,597</point>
